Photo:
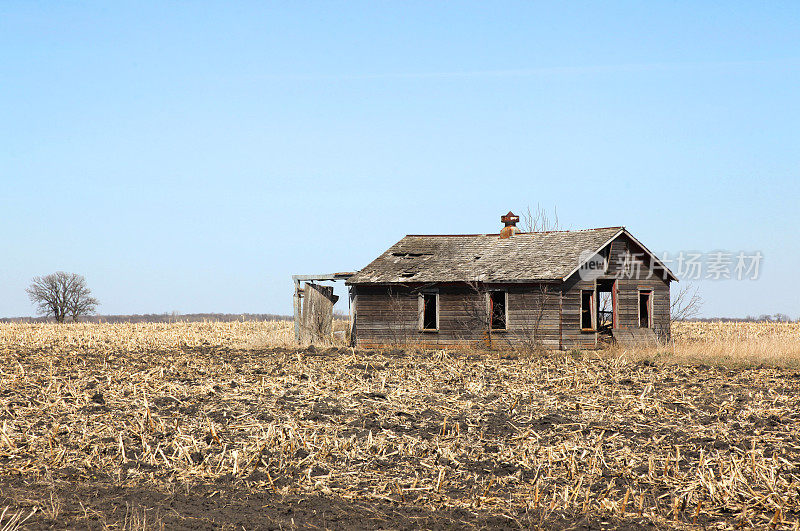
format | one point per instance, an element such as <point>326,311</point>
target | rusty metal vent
<point>510,221</point>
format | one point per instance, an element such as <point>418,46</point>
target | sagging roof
<point>531,256</point>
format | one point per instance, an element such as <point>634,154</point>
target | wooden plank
<point>317,313</point>
<point>634,337</point>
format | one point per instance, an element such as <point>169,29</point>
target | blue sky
<point>192,156</point>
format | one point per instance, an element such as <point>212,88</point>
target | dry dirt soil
<point>215,438</point>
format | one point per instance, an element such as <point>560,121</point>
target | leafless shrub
<point>532,335</point>
<point>685,303</point>
<point>396,318</point>
<point>540,220</point>
<point>475,318</point>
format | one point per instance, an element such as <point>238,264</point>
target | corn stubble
<point>498,438</point>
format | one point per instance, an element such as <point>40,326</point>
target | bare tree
<point>540,220</point>
<point>474,316</point>
<point>399,317</point>
<point>478,314</point>
<point>81,301</point>
<point>61,295</point>
<point>685,303</point>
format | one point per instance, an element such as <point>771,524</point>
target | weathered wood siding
<point>534,315</point>
<point>385,316</point>
<point>572,337</point>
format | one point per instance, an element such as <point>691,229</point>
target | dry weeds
<point>727,344</point>
<point>141,426</point>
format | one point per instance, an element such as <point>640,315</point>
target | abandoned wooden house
<point>556,289</point>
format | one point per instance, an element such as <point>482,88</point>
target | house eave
<point>492,281</point>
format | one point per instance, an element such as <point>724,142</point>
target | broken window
<point>587,310</point>
<point>497,309</point>
<point>605,314</point>
<point>429,314</point>
<point>605,305</point>
<point>645,309</point>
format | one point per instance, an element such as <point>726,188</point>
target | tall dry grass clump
<point>725,343</point>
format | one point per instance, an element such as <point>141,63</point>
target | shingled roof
<point>531,256</point>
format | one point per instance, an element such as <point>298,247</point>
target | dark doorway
<point>430,311</point>
<point>645,309</point>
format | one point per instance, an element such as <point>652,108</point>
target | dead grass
<point>217,434</point>
<point>725,344</point>
<point>143,337</point>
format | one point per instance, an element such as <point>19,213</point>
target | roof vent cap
<point>510,221</point>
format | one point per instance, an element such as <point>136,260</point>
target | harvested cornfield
<point>105,338</point>
<point>197,429</point>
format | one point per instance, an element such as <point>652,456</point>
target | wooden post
<point>561,319</point>
<point>351,307</point>
<point>296,301</point>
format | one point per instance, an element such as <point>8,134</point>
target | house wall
<point>385,316</point>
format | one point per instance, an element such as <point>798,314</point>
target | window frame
<point>649,293</point>
<point>592,310</point>
<point>490,311</point>
<point>421,310</point>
